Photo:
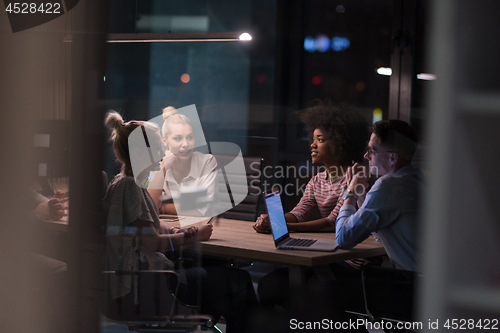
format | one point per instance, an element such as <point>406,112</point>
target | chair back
<point>388,293</point>
<point>246,210</point>
<point>157,309</point>
<point>155,301</point>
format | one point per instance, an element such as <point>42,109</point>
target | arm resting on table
<point>350,230</point>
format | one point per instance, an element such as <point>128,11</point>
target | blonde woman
<point>182,168</point>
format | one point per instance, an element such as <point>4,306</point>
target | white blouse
<point>202,176</point>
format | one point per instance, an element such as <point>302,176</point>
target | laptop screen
<point>276,215</point>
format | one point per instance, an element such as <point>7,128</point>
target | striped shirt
<point>324,194</point>
<point>327,196</point>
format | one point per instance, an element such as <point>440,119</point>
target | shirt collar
<point>406,168</point>
<point>194,171</point>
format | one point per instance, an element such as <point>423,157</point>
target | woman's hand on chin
<point>168,161</point>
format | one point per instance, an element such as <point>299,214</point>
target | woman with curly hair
<point>338,137</point>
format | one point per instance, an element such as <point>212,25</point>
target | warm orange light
<point>185,78</point>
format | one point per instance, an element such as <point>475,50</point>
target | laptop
<point>282,239</point>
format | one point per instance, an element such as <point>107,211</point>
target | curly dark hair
<point>346,129</point>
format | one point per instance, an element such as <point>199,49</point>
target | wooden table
<point>55,225</point>
<point>238,239</point>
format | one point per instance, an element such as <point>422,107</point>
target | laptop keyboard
<point>300,242</point>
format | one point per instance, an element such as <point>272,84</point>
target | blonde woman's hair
<point>170,116</point>
<point>119,136</point>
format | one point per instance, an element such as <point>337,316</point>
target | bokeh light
<point>310,44</point>
<point>377,115</point>
<point>426,76</point>
<point>322,43</point>
<point>340,44</point>
<point>185,78</point>
<point>360,86</point>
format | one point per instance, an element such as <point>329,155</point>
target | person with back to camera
<point>225,291</point>
<point>183,169</point>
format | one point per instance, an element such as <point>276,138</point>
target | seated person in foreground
<point>51,273</point>
<point>390,208</point>
<point>136,239</point>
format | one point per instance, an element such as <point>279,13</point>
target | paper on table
<point>189,220</point>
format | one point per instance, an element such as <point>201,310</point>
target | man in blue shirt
<point>389,211</point>
<point>391,206</point>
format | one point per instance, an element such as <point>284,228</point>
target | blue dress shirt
<point>391,209</point>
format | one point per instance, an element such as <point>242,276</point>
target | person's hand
<point>57,209</point>
<point>168,161</point>
<point>189,232</point>
<point>357,178</point>
<point>351,171</point>
<point>54,209</point>
<point>263,224</point>
<point>200,233</point>
<point>348,175</point>
<point>204,232</point>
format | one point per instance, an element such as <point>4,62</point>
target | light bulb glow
<point>426,76</point>
<point>384,71</point>
<point>245,36</point>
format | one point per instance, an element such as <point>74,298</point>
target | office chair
<point>246,210</point>
<point>394,288</point>
<point>158,308</point>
